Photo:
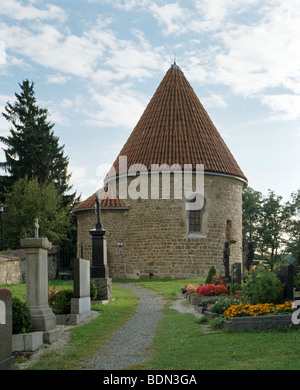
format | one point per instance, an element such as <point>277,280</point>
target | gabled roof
<point>110,202</point>
<point>176,129</point>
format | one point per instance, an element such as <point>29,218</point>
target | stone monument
<point>36,258</point>
<point>6,358</point>
<point>99,268</point>
<point>81,303</point>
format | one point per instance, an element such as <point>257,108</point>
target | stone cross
<point>36,228</point>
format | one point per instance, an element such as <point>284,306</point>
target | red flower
<point>211,289</point>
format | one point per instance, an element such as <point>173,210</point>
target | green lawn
<point>180,343</point>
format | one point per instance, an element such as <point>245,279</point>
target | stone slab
<point>80,305</point>
<point>53,335</point>
<point>28,342</point>
<point>6,358</point>
<point>104,288</point>
<point>81,276</point>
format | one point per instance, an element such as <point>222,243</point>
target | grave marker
<point>81,303</point>
<point>6,358</point>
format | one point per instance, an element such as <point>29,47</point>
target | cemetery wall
<point>155,238</point>
<point>13,267</point>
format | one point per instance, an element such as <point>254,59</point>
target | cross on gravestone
<point>36,228</point>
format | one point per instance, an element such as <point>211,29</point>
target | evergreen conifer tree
<point>32,150</point>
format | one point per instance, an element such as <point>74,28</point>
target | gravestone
<point>6,358</point>
<point>99,268</point>
<point>249,256</point>
<point>36,257</point>
<point>236,273</point>
<point>286,275</point>
<point>81,303</point>
<point>226,254</point>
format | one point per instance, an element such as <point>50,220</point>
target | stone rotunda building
<point>148,233</point>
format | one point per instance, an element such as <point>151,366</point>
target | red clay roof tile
<point>175,128</point>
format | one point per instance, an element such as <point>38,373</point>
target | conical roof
<point>176,129</point>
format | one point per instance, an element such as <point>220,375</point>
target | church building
<point>155,227</point>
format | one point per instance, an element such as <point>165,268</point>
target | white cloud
<point>172,17</point>
<point>120,107</point>
<point>214,101</point>
<point>263,55</point>
<point>97,55</point>
<point>285,107</point>
<point>15,10</point>
<point>57,79</point>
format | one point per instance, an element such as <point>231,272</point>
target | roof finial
<point>174,66</point>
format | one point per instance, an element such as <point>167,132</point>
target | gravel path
<point>130,344</point>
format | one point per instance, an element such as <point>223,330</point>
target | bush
<point>263,287</point>
<point>220,306</point>
<point>208,301</point>
<point>21,316</point>
<point>62,302</point>
<point>297,281</point>
<point>93,290</point>
<point>210,275</point>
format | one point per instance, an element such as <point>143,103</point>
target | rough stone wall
<point>12,269</point>
<point>155,239</point>
<point>13,266</point>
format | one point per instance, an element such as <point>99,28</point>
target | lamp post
<point>2,233</point>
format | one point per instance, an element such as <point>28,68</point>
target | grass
<point>86,339</point>
<point>180,342</point>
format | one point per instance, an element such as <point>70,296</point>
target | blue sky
<point>97,63</point>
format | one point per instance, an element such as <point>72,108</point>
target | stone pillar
<point>6,358</point>
<point>36,257</point>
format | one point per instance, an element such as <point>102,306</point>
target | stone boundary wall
<point>13,267</point>
<point>260,323</point>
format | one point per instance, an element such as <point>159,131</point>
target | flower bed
<point>211,289</point>
<point>259,322</point>
<point>241,310</point>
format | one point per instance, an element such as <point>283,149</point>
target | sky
<point>97,63</point>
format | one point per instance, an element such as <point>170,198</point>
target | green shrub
<point>263,287</point>
<point>21,316</point>
<point>93,290</point>
<point>234,288</point>
<point>224,304</point>
<point>62,302</point>
<point>217,323</point>
<point>207,301</point>
<point>297,281</point>
<point>210,275</point>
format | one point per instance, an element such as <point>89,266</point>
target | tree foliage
<point>28,200</point>
<point>32,150</point>
<point>272,225</point>
<point>36,179</point>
